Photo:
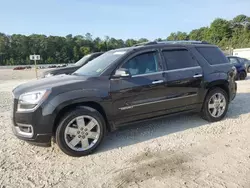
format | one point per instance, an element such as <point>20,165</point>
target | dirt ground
<point>183,151</point>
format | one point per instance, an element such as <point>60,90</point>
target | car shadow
<point>152,129</point>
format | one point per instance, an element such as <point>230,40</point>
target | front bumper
<point>34,127</point>
<point>39,139</point>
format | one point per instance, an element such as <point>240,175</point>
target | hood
<point>61,81</point>
<point>63,70</point>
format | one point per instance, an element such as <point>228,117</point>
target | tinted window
<point>83,60</point>
<point>213,55</point>
<point>142,64</point>
<point>179,59</point>
<point>233,60</point>
<point>86,59</point>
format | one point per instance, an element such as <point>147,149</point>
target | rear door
<point>184,77</point>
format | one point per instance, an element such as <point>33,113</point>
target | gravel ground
<point>183,151</point>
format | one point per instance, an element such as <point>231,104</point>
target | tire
<point>206,111</point>
<point>79,134</point>
<point>248,69</point>
<point>242,75</point>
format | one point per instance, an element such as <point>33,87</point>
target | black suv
<point>121,87</point>
<point>71,68</point>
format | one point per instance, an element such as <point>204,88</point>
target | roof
<point>164,43</point>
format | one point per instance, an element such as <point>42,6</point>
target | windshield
<point>82,60</point>
<point>99,64</point>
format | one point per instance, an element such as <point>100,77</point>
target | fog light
<point>24,130</point>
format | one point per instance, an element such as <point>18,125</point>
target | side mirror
<point>122,73</point>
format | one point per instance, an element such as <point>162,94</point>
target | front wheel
<point>248,69</point>
<point>215,105</point>
<point>80,132</point>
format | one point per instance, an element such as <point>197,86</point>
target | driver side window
<point>142,64</point>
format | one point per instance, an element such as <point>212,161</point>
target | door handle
<point>157,82</point>
<point>197,75</point>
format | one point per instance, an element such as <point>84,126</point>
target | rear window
<point>213,55</point>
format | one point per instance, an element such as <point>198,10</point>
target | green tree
<point>199,34</point>
<point>219,29</point>
<point>16,48</point>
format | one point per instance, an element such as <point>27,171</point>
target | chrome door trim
<point>197,76</point>
<point>162,100</point>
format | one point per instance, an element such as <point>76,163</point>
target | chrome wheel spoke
<point>80,122</point>
<point>74,141</point>
<point>210,106</point>
<point>221,97</point>
<point>91,125</point>
<point>214,112</point>
<point>85,143</point>
<point>71,131</point>
<point>92,135</point>
<point>219,111</point>
<point>223,104</point>
<point>214,98</point>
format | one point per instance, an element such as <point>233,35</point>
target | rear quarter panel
<point>213,74</point>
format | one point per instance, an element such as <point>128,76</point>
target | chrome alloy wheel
<point>82,133</point>
<point>217,105</point>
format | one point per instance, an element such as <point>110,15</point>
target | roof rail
<point>183,42</point>
<point>172,42</point>
<point>146,43</point>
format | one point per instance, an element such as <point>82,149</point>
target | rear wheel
<point>248,69</point>
<point>215,105</point>
<point>80,132</point>
<point>242,75</point>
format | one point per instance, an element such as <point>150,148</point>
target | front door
<point>139,96</point>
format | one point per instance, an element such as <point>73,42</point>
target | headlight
<point>48,75</point>
<point>32,100</point>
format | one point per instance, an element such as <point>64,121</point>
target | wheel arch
<point>223,84</point>
<point>67,108</point>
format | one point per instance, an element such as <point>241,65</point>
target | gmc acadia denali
<point>121,87</point>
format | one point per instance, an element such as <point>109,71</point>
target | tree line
<point>15,49</point>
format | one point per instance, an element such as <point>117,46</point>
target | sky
<point>120,19</point>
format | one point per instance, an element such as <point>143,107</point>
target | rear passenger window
<point>179,59</point>
<point>213,55</point>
